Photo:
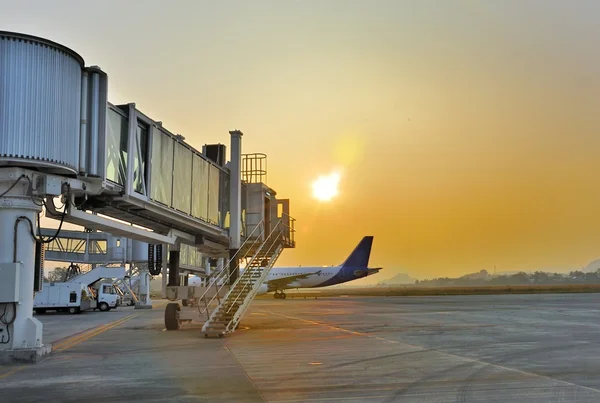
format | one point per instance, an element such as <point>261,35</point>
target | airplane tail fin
<point>360,255</point>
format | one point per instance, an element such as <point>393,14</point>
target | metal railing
<point>75,270</point>
<point>272,242</point>
<point>254,168</point>
<point>232,324</point>
<point>289,228</point>
<point>225,275</point>
<point>272,247</point>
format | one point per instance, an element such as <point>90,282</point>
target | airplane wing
<point>284,281</point>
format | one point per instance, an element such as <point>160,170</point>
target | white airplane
<point>353,268</point>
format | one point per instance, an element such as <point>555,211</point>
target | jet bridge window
<point>72,296</point>
<point>140,162</point>
<point>116,147</point>
<point>162,167</point>
<point>224,200</point>
<point>182,180</point>
<point>213,194</point>
<point>200,188</point>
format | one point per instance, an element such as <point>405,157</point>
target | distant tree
<point>499,280</point>
<point>577,275</point>
<point>592,277</point>
<point>540,277</point>
<point>519,278</point>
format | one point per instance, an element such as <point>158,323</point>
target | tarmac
<point>497,348</point>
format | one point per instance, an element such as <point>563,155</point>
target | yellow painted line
<point>12,371</point>
<point>68,339</point>
<point>94,332</point>
<point>77,339</point>
<point>77,336</point>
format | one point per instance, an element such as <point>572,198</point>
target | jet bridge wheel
<point>172,316</point>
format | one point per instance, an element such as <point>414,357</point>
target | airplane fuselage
<point>353,268</point>
<point>321,276</point>
<point>311,277</point>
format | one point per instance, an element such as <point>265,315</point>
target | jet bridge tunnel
<point>115,169</point>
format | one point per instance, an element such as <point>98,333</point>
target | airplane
<point>353,268</point>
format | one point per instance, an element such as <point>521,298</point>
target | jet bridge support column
<point>235,203</point>
<point>163,274</point>
<point>144,301</point>
<point>20,332</point>
<point>173,266</point>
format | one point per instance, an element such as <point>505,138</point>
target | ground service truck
<point>75,297</point>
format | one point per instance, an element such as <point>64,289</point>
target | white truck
<point>75,297</point>
<point>104,297</point>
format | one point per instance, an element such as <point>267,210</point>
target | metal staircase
<point>232,307</point>
<point>126,291</point>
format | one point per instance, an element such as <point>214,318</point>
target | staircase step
<point>231,308</point>
<point>216,326</point>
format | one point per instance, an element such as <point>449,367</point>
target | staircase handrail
<point>254,257</point>
<point>232,324</point>
<point>271,246</point>
<point>223,273</point>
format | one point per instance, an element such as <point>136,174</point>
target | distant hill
<point>592,266</point>
<point>398,279</point>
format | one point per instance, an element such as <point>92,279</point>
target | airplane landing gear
<point>279,295</point>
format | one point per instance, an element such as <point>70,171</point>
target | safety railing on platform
<point>254,168</point>
<point>288,229</point>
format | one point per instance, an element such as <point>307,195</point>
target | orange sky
<point>467,131</point>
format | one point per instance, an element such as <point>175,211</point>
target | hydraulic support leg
<point>163,274</point>
<point>20,332</point>
<point>144,301</point>
<point>173,268</point>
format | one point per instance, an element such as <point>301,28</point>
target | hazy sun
<point>325,187</point>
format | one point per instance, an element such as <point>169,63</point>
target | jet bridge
<point>115,170</point>
<point>85,248</point>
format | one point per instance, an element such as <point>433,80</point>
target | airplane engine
<point>263,289</point>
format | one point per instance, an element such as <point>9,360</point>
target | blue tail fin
<point>360,255</point>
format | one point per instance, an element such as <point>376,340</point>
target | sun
<point>325,187</point>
